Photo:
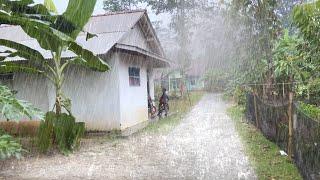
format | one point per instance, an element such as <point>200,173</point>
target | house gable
<point>142,35</point>
<point>135,37</point>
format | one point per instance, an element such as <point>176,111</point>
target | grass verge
<point>263,154</point>
<point>178,109</point>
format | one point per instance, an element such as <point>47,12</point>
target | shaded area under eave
<point>152,59</point>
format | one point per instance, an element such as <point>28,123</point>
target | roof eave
<point>163,61</point>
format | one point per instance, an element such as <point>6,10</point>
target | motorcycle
<point>164,107</point>
<point>151,108</point>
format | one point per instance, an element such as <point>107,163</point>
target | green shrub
<point>45,134</point>
<point>2,132</point>
<point>78,132</point>
<point>174,94</point>
<point>239,95</point>
<point>9,147</point>
<point>310,110</point>
<point>13,109</point>
<point>61,130</point>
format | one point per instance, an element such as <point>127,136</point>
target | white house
<point>113,100</point>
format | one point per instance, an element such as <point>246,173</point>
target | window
<point>193,82</point>
<point>134,76</point>
<point>175,84</point>
<point>7,79</point>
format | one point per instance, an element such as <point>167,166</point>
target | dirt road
<point>204,146</point>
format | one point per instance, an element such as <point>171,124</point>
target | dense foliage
<point>310,110</point>
<point>61,130</point>
<point>15,109</point>
<point>279,43</point>
<point>9,147</point>
<point>119,5</point>
<point>216,80</point>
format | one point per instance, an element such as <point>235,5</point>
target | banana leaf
<point>21,51</point>
<point>55,31</point>
<point>50,6</point>
<point>78,12</point>
<point>87,58</point>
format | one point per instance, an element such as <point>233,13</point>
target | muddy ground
<point>204,146</point>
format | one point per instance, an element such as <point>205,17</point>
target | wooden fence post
<point>255,108</point>
<point>290,119</point>
<point>283,92</point>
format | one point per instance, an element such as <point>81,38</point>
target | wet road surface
<point>204,146</point>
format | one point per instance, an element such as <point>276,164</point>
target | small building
<point>173,80</point>
<point>114,100</point>
<point>195,78</point>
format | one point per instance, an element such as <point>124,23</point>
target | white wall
<point>95,96</point>
<point>104,101</point>
<point>32,88</point>
<point>133,100</point>
<point>151,82</point>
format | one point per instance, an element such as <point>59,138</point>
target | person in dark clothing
<point>163,103</point>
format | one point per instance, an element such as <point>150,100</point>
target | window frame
<point>6,76</point>
<point>7,79</point>
<point>134,76</point>
<point>193,82</point>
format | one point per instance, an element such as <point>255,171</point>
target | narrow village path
<point>204,146</point>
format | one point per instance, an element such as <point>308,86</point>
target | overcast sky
<point>62,5</point>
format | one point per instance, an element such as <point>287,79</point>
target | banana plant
<point>49,4</point>
<point>56,33</point>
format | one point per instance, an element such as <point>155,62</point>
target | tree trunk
<point>256,108</point>
<point>290,137</point>
<point>58,81</point>
<point>290,119</point>
<point>58,103</point>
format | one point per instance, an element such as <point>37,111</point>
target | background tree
<point>265,27</point>
<point>119,5</point>
<point>181,12</point>
<point>304,18</point>
<point>284,12</point>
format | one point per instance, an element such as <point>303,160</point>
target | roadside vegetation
<point>272,68</point>
<point>178,109</point>
<point>57,34</point>
<point>13,109</point>
<point>264,155</point>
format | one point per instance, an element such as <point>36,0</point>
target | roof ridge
<point>97,15</point>
<point>6,25</point>
<point>120,12</point>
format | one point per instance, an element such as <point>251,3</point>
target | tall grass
<point>264,154</point>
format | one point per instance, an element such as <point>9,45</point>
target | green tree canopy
<point>119,5</point>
